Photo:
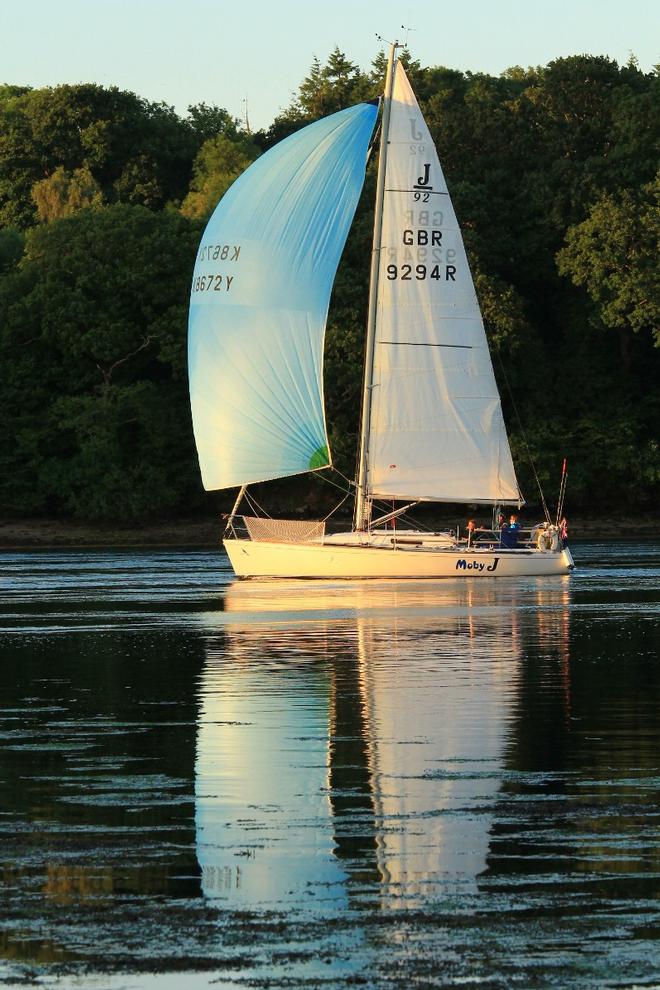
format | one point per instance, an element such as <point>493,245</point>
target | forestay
<point>259,303</point>
<point>436,426</point>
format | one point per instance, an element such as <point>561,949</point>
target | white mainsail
<point>436,430</point>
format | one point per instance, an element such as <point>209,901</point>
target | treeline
<point>103,197</point>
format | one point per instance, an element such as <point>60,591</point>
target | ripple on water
<point>294,783</point>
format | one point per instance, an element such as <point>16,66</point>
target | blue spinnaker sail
<point>259,303</point>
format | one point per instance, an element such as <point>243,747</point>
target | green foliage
<point>219,162</point>
<point>120,453</point>
<point>64,193</point>
<point>136,152</point>
<point>328,88</point>
<point>93,340</point>
<point>614,255</point>
<point>553,175</point>
<point>11,248</point>
<point>337,84</point>
<point>209,122</point>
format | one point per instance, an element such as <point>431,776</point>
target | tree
<point>614,255</point>
<point>64,193</point>
<point>209,122</point>
<point>220,161</point>
<point>328,88</point>
<point>552,172</point>
<point>11,248</point>
<point>94,406</point>
<point>135,151</point>
<point>332,87</point>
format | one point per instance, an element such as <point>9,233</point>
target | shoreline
<point>45,534</point>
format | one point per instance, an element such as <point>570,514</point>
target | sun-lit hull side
<point>251,559</point>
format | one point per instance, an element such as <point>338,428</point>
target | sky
<point>227,52</point>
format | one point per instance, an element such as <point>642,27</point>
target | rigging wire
<point>254,505</point>
<point>374,140</point>
<point>328,481</point>
<point>524,436</point>
<point>348,491</point>
<point>562,491</point>
<point>380,504</point>
<point>337,507</point>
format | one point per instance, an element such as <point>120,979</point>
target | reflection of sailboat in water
<point>350,740</point>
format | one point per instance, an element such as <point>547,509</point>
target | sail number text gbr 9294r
<point>427,259</point>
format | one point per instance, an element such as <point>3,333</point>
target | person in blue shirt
<point>509,533</point>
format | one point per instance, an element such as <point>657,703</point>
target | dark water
<point>439,784</point>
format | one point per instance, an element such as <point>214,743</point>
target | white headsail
<point>436,427</point>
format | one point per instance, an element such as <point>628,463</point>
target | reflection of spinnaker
<point>264,832</point>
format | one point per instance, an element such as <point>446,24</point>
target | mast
<point>362,507</point>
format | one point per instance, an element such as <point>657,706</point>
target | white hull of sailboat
<point>253,559</point>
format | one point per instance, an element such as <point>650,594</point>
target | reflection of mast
<point>565,656</point>
<point>349,775</point>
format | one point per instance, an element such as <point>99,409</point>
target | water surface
<point>293,784</point>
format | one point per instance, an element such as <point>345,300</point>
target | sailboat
<point>432,428</point>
